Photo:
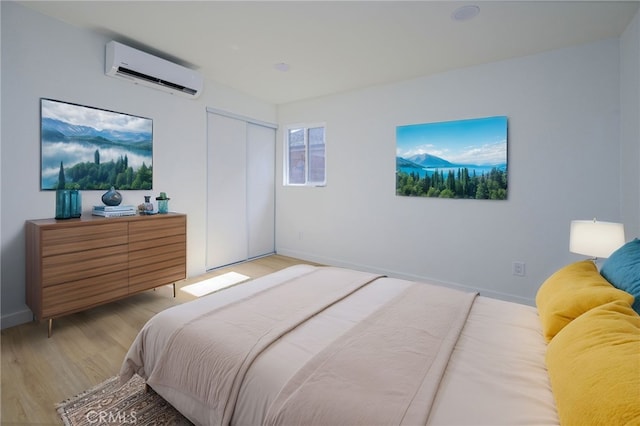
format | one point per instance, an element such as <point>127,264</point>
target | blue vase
<point>63,204</point>
<point>112,197</point>
<point>76,203</point>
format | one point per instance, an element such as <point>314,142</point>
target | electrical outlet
<point>519,269</point>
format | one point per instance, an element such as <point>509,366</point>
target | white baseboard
<point>16,318</point>
<point>396,274</point>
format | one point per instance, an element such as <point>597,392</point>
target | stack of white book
<point>114,211</point>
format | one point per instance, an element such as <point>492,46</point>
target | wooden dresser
<point>76,264</point>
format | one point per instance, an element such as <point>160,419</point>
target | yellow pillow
<point>572,291</point>
<point>594,367</point>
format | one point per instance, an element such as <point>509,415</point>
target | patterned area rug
<point>111,404</point>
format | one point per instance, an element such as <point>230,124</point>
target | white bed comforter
<point>495,374</point>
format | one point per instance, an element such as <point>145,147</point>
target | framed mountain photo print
<point>453,159</point>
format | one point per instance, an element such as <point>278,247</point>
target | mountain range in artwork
<point>56,130</point>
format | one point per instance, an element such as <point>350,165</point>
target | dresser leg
<point>50,327</point>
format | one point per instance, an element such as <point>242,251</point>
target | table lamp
<point>596,239</point>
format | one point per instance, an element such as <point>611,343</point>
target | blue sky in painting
<point>480,141</point>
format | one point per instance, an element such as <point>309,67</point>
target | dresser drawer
<point>166,274</point>
<point>151,258</point>
<point>91,263</point>
<point>157,228</point>
<point>74,239</point>
<point>141,246</point>
<point>85,293</point>
<point>157,262</point>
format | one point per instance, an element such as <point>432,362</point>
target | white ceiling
<point>337,46</point>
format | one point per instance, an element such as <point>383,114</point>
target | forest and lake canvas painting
<point>90,148</point>
<point>453,159</point>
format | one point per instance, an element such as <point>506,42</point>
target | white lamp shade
<point>597,239</point>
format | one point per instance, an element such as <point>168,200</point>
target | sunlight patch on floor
<point>213,284</point>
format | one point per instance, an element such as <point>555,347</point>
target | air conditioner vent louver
<point>148,70</point>
<point>150,79</point>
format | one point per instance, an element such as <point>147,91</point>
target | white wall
<point>564,155</point>
<point>42,57</point>
<point>630,127</point>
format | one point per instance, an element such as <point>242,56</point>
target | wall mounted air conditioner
<point>148,70</point>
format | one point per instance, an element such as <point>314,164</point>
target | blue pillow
<point>622,270</point>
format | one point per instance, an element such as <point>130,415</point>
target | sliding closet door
<point>260,189</point>
<point>227,183</point>
<point>240,190</point>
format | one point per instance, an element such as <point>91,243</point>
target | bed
<point>325,346</point>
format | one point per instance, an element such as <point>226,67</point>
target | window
<point>305,156</point>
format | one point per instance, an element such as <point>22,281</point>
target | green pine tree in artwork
<point>61,180</point>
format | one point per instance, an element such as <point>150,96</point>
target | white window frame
<point>286,167</point>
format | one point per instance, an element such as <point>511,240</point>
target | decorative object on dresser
<point>163,203</point>
<point>68,204</point>
<point>112,197</point>
<point>114,211</point>
<point>76,265</point>
<point>147,206</point>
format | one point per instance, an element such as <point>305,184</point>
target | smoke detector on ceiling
<point>464,13</point>
<point>282,66</point>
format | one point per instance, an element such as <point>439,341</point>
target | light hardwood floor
<point>86,348</point>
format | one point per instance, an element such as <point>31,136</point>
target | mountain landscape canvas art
<point>94,149</point>
<point>453,159</point>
